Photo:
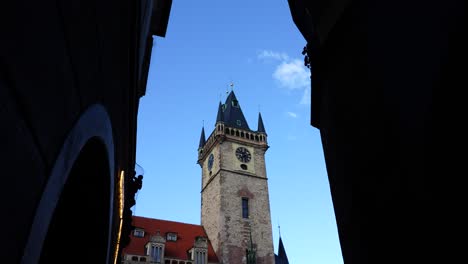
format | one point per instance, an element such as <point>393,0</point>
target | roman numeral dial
<point>243,154</point>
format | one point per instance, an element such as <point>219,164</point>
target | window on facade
<point>245,207</point>
<point>200,257</point>
<point>134,258</point>
<point>143,259</point>
<point>156,252</point>
<point>171,237</point>
<point>139,233</point>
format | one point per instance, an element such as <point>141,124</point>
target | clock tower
<point>235,208</point>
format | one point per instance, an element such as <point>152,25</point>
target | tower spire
<point>261,127</point>
<point>232,113</point>
<point>202,138</point>
<point>219,117</point>
<point>282,257</point>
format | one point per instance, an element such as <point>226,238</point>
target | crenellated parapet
<point>223,132</point>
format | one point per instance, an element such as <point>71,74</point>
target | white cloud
<point>292,75</point>
<point>268,54</point>
<point>291,114</point>
<point>305,100</point>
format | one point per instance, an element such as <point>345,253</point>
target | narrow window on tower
<point>245,207</point>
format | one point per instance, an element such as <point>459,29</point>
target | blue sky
<point>255,45</point>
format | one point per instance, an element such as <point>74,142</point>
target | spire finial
<point>231,85</point>
<point>279,230</point>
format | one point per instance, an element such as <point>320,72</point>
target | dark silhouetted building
<point>71,75</point>
<point>381,71</point>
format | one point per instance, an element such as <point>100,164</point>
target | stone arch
<point>85,159</point>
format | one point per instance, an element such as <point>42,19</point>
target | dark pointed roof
<point>202,138</point>
<point>219,117</point>
<point>281,258</point>
<point>233,115</point>
<point>261,127</point>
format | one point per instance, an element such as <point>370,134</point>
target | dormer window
<point>239,123</point>
<point>138,232</point>
<point>235,103</point>
<point>155,251</point>
<point>200,257</point>
<point>171,237</point>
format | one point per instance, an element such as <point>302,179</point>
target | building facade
<point>168,242</point>
<point>235,203</point>
<point>235,211</point>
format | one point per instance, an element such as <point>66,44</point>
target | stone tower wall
<point>222,195</point>
<point>210,212</point>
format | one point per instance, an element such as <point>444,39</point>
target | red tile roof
<point>186,234</point>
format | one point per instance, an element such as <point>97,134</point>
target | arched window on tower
<point>245,207</point>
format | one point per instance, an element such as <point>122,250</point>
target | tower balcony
<point>223,132</point>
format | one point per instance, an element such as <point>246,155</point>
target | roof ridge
<point>166,220</point>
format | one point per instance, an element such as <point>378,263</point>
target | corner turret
<point>261,127</point>
<point>220,117</point>
<point>202,140</point>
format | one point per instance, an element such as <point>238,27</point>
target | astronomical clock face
<point>243,154</point>
<point>210,161</point>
